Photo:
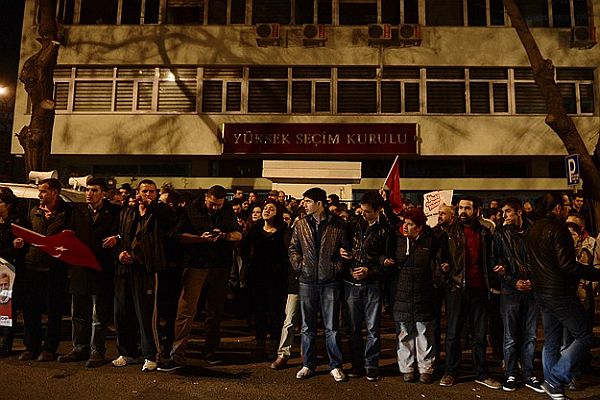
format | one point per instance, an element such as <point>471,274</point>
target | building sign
<point>273,138</point>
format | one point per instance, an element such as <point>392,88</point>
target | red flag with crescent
<point>64,246</point>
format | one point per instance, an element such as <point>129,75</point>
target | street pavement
<point>243,377</point>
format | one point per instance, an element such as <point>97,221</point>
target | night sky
<point>11,18</point>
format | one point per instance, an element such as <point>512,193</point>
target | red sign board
<point>271,138</point>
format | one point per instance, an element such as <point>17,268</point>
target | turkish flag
<point>64,246</point>
<point>393,184</point>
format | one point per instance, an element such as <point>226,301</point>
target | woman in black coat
<point>265,256</point>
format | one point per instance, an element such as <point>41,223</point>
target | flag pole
<point>390,172</point>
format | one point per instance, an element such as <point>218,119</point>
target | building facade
<point>150,87</point>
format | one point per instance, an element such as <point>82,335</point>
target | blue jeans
<point>519,317</point>
<point>559,312</point>
<point>363,305</point>
<point>324,297</point>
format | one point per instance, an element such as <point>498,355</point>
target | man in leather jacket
<point>315,253</point>
<point>556,274</point>
<point>517,304</point>
<point>371,242</point>
<point>469,245</point>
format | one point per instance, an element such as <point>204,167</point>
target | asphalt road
<point>242,377</point>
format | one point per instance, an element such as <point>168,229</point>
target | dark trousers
<point>268,301</point>
<point>462,304</point>
<point>134,306</point>
<point>46,291</point>
<point>89,327</point>
<point>169,287</point>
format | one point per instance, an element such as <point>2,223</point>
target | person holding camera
<point>208,229</point>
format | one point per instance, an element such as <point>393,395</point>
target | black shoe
<point>355,372</point>
<point>212,359</point>
<point>73,356</point>
<point>372,374</point>
<point>574,385</point>
<point>510,385</point>
<point>534,384</point>
<point>169,365</point>
<point>96,360</point>
<point>552,392</point>
<point>5,350</point>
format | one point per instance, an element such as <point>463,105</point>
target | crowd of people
<point>300,263</point>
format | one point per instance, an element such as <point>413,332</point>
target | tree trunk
<point>37,76</point>
<point>557,118</point>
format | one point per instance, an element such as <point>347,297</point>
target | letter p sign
<point>572,169</point>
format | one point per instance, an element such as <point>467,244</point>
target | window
<point>357,90</point>
<point>304,12</point>
<point>357,12</point>
<point>269,11</point>
<point>535,12</point>
<point>444,12</point>
<point>98,12</point>
<point>185,12</point>
<point>316,89</point>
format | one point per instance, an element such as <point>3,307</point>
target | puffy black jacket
<point>315,249</point>
<point>371,244</point>
<point>412,280</point>
<point>509,250</point>
<point>552,255</point>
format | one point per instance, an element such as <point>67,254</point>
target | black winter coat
<point>87,281</point>
<point>552,255</point>
<point>509,250</point>
<point>412,290</point>
<point>265,257</point>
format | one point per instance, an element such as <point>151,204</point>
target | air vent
<point>314,35</point>
<point>583,37</point>
<point>380,34</point>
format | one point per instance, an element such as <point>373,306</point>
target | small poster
<point>432,202</point>
<point>7,278</point>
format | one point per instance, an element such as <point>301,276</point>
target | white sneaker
<point>338,374</point>
<point>121,361</point>
<point>304,373</point>
<point>149,366</point>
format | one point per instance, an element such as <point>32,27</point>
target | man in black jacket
<point>517,304</point>
<point>93,290</point>
<point>45,277</point>
<point>556,275</point>
<point>371,243</point>
<point>467,292</point>
<point>142,253</point>
<point>208,230</point>
<point>315,253</point>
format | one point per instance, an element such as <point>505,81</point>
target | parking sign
<point>572,169</point>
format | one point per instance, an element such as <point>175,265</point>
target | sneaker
<point>408,377</point>
<point>304,373</point>
<point>447,380</point>
<point>534,384</point>
<point>552,392</point>
<point>490,383</point>
<point>372,374</point>
<point>169,365</point>
<point>120,361</point>
<point>338,374</point>
<point>425,378</point>
<point>149,366</point>
<point>510,385</point>
<point>355,372</point>
<point>279,363</point>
